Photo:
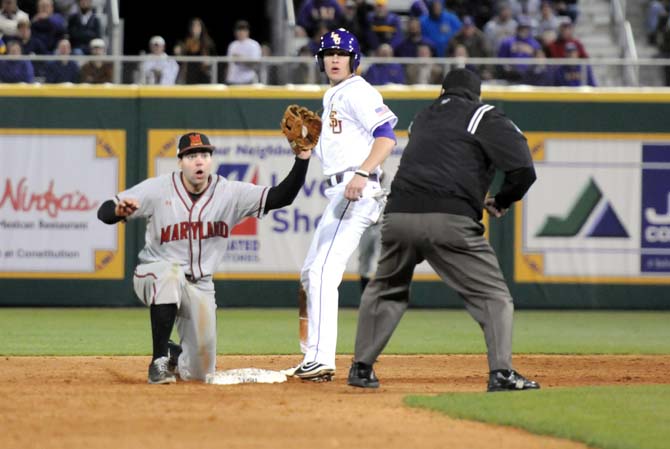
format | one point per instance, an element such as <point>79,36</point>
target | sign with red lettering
<point>51,185</point>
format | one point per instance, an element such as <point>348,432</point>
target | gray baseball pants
<point>456,249</point>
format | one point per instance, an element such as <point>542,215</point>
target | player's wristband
<point>362,173</point>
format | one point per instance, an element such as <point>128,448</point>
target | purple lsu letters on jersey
<point>192,233</point>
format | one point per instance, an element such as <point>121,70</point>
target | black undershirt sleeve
<point>107,214</point>
<point>515,185</point>
<point>285,192</point>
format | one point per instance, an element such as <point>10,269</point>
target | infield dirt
<point>105,402</point>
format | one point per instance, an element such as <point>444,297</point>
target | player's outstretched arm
<point>111,212</point>
<point>285,192</point>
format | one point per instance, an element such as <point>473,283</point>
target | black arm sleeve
<point>285,192</point>
<point>515,185</point>
<point>107,214</point>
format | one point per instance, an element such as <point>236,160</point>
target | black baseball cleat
<point>174,350</point>
<point>509,380</point>
<point>362,375</point>
<point>159,373</point>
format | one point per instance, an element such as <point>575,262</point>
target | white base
<point>245,376</point>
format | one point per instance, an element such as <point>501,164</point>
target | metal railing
<point>282,70</point>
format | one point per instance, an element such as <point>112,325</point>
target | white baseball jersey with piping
<point>185,241</point>
<point>352,110</point>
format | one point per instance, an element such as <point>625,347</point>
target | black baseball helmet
<point>193,142</point>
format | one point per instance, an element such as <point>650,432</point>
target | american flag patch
<point>382,109</point>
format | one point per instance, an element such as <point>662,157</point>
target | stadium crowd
<point>427,29</point>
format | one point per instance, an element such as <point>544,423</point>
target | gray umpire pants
<point>456,249</point>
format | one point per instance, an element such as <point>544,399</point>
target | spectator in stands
<point>3,47</point>
<point>382,73</point>
<point>424,73</point>
<point>476,45</point>
<point>15,71</point>
<point>356,13</point>
<point>500,27</point>
<point>547,20</point>
<point>10,14</point>
<point>66,7</point>
<point>384,26</point>
<point>304,73</point>
<point>521,45</point>
<point>29,44</point>
<point>315,42</point>
<point>440,26</point>
<point>655,10</point>
<point>97,72</point>
<point>64,70</point>
<point>158,68</point>
<point>565,37</point>
<point>540,74</point>
<point>419,8</point>
<point>83,27</point>
<point>567,8</point>
<point>243,47</point>
<point>313,12</point>
<point>481,11</point>
<point>48,26</point>
<point>196,43</point>
<point>409,46</point>
<point>461,52</point>
<point>573,74</point>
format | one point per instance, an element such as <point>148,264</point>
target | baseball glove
<point>301,127</point>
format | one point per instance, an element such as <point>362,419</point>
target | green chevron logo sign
<point>607,224</point>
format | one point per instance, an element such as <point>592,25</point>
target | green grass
<point>84,331</point>
<point>633,417</point>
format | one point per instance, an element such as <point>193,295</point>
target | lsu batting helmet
<point>340,39</point>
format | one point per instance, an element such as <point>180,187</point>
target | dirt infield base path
<point>105,402</point>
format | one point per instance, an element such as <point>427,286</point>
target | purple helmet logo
<point>340,39</point>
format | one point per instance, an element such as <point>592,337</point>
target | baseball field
<point>76,378</point>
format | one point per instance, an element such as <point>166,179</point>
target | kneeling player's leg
<point>196,323</point>
<point>158,285</point>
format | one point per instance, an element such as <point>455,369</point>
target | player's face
<point>336,63</point>
<point>196,168</point>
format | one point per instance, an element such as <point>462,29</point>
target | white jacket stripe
<point>477,117</point>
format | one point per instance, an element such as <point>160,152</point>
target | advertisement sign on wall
<point>598,212</point>
<point>52,182</point>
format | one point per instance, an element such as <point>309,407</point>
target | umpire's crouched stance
<point>434,213</point>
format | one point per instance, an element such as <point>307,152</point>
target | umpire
<point>434,212</point>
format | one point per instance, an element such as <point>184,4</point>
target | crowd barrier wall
<point>592,233</point>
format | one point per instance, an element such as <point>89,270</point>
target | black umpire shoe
<point>174,350</point>
<point>362,375</point>
<point>509,380</point>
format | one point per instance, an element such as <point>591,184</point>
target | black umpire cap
<point>462,79</point>
<point>193,142</point>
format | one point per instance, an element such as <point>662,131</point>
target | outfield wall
<point>593,232</point>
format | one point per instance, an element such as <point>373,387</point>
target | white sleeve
<point>369,108</point>
<point>250,199</point>
<point>146,194</point>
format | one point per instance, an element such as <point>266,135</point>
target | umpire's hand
<point>126,207</point>
<point>493,209</point>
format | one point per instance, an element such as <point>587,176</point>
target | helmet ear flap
<point>319,61</point>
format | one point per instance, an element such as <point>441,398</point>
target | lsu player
<point>190,213</point>
<point>356,137</point>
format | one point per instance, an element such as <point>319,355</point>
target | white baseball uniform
<point>352,110</point>
<point>185,241</point>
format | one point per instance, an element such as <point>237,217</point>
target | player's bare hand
<point>126,207</point>
<point>354,190</point>
<point>493,209</point>
<point>304,154</point>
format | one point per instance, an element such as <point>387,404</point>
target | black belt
<point>339,177</point>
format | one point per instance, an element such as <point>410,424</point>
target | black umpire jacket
<point>455,146</point>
